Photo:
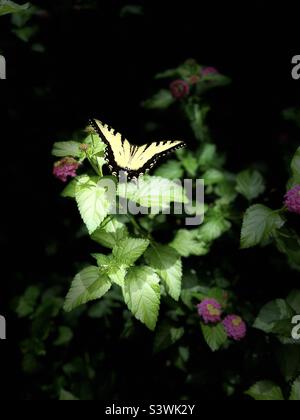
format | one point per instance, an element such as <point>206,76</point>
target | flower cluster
<point>180,88</point>
<point>65,168</point>
<point>235,327</point>
<point>210,310</point>
<point>292,200</point>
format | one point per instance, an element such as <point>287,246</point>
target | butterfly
<point>134,160</point>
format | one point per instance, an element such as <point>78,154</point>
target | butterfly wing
<point>118,147</point>
<point>146,156</point>
<point>135,160</point>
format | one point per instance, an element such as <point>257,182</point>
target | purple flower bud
<point>210,310</point>
<point>65,168</point>
<point>292,199</point>
<point>208,71</point>
<point>235,327</point>
<point>179,89</point>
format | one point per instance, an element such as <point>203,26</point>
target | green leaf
<point>166,336</point>
<point>168,74</point>
<point>167,264</point>
<point>259,224</point>
<point>288,358</point>
<point>293,300</point>
<point>129,250</point>
<point>215,226</point>
<point>171,170</point>
<point>227,191</point>
<point>70,190</point>
<point>250,184</point>
<point>190,164</point>
<point>66,148</point>
<point>197,116</point>
<point>87,285</point>
<point>154,192</point>
<point>112,268</point>
<point>295,391</point>
<point>142,294</point>
<point>271,314</point>
<point>265,391</point>
<point>213,176</point>
<point>65,335</point>
<point>111,233</point>
<point>92,201</point>
<point>161,100</point>
<point>97,146</point>
<point>7,7</point>
<point>187,242</point>
<point>214,335</point>
<point>288,242</point>
<point>28,301</point>
<point>207,156</point>
<point>66,396</point>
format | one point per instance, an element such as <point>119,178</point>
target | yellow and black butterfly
<point>134,160</point>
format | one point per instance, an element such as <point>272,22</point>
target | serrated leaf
<point>259,223</point>
<point>154,192</point>
<point>215,226</point>
<point>166,336</point>
<point>87,285</point>
<point>161,100</point>
<point>111,234</point>
<point>271,314</point>
<point>129,250</point>
<point>112,267</point>
<point>142,294</point>
<point>187,242</point>
<point>66,148</point>
<point>70,190</point>
<point>7,7</point>
<point>97,146</point>
<point>265,391</point>
<point>92,201</point>
<point>167,264</point>
<point>172,169</point>
<point>250,184</point>
<point>295,390</point>
<point>213,176</point>
<point>214,335</point>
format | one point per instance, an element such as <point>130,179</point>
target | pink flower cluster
<point>208,71</point>
<point>210,310</point>
<point>181,88</point>
<point>235,327</point>
<point>292,199</point>
<point>65,168</point>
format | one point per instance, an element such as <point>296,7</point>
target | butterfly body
<point>134,160</point>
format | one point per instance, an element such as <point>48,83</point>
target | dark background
<point>98,64</point>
